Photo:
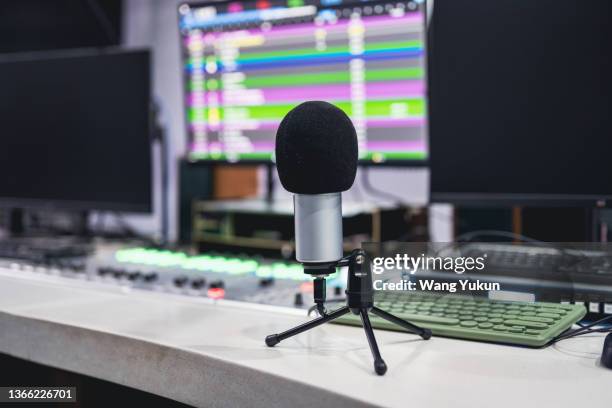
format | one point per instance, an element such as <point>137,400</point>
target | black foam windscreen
<point>316,149</point>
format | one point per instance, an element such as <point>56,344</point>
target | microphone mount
<point>319,271</point>
<point>359,301</point>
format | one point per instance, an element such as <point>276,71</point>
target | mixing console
<point>214,276</point>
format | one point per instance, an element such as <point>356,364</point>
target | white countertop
<point>206,354</point>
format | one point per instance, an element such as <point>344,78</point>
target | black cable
<point>335,300</point>
<point>320,294</point>
<point>165,190</point>
<point>131,232</point>
<point>586,329</point>
<point>101,222</point>
<point>397,200</point>
<point>103,20</point>
<point>590,331</point>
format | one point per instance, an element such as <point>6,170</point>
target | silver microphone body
<point>318,227</point>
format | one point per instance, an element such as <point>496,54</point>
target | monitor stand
<point>18,228</point>
<point>81,226</point>
<point>16,225</point>
<point>270,183</point>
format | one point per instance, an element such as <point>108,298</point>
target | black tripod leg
<point>424,333</point>
<point>274,339</point>
<point>379,364</point>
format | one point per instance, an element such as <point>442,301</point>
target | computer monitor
<point>520,102</point>
<point>247,63</point>
<point>75,131</point>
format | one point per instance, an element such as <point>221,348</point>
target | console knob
<point>265,282</point>
<point>79,267</point>
<point>198,283</point>
<point>134,275</point>
<point>150,277</point>
<point>180,281</point>
<point>218,284</point>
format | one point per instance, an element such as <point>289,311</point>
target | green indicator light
<point>264,271</point>
<point>213,264</point>
<point>288,271</point>
<point>134,255</point>
<point>219,264</point>
<point>233,266</point>
<point>249,266</point>
<point>196,86</point>
<point>208,263</point>
<point>188,264</point>
<point>212,84</point>
<point>278,270</point>
<point>200,263</point>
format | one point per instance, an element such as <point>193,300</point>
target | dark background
<point>36,25</point>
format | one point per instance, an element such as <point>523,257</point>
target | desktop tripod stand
<point>359,301</point>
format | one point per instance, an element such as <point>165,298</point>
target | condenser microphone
<point>316,158</point>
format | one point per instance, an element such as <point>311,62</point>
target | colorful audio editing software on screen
<point>248,63</point>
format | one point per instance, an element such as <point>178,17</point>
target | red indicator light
<point>306,287</point>
<point>263,4</point>
<point>216,293</point>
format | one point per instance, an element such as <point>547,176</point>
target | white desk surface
<point>207,354</point>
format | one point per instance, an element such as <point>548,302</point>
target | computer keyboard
<point>464,317</point>
<point>544,263</point>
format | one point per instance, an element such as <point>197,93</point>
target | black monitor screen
<point>521,100</point>
<point>75,131</point>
